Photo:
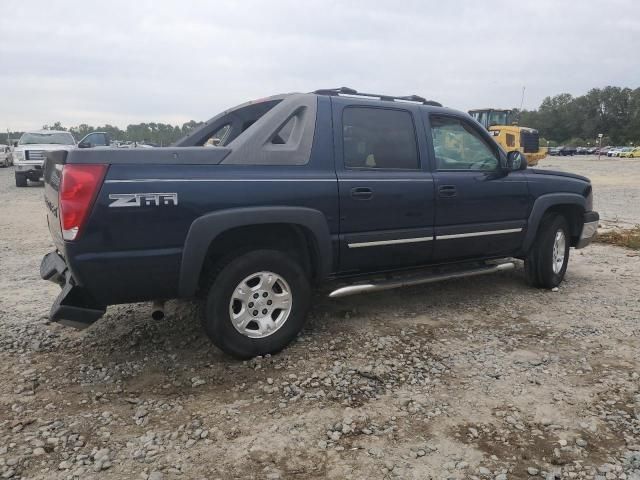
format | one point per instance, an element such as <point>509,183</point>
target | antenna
<point>521,103</point>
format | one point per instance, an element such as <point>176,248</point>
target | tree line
<point>561,119</point>
<point>565,119</point>
<point>159,134</point>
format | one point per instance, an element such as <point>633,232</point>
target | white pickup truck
<point>29,153</point>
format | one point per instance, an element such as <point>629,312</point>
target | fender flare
<point>207,228</point>
<point>541,205</point>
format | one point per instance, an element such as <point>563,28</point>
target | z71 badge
<point>143,199</point>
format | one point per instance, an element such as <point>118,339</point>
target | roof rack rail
<point>388,98</point>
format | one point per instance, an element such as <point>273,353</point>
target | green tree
<point>55,126</point>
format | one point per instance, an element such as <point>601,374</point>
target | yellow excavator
<point>509,134</point>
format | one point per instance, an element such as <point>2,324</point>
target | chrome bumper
<point>589,229</point>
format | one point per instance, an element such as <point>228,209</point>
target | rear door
<point>481,210</point>
<point>385,188</point>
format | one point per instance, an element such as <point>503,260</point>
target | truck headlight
<point>19,155</point>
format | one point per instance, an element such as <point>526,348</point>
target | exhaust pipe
<point>419,280</point>
<point>157,309</point>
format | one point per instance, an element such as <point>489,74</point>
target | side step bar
<point>418,280</point>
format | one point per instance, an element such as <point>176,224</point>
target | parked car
<point>603,150</point>
<point>6,157</point>
<point>29,152</point>
<point>554,151</point>
<point>614,152</point>
<point>367,190</point>
<point>631,152</point>
<point>134,145</point>
<point>563,150</point>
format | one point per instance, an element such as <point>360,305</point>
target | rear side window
<point>379,138</point>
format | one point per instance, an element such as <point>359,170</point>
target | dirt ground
<point>475,378</point>
<point>616,183</point>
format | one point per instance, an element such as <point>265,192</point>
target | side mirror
<point>516,161</point>
<point>15,144</point>
<point>84,145</point>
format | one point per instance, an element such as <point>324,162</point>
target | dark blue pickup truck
<point>270,198</point>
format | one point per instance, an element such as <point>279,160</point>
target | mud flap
<point>74,306</point>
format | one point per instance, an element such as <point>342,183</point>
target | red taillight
<point>78,189</point>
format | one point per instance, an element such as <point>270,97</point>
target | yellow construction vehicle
<point>509,134</point>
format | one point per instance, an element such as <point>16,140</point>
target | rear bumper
<point>74,306</point>
<point>589,229</point>
<point>31,170</point>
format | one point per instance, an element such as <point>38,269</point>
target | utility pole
<point>599,143</point>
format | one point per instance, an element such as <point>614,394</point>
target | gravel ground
<point>481,378</point>
<point>616,185</point>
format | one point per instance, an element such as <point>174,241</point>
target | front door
<point>386,191</point>
<point>481,210</point>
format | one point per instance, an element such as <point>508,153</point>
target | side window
<point>219,137</point>
<point>96,140</point>
<point>379,138</point>
<point>458,146</point>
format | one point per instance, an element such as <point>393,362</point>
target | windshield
<point>56,138</point>
<point>488,118</point>
<point>498,118</point>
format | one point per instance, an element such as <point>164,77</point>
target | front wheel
<point>256,304</point>
<point>546,263</point>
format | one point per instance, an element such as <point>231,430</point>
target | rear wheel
<point>256,303</point>
<point>21,180</point>
<point>546,263</point>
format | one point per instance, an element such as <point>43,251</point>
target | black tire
<point>21,180</point>
<point>539,263</point>
<point>216,317</point>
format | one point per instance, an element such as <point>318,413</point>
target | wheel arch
<point>305,226</point>
<point>571,205</point>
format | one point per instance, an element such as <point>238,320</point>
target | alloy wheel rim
<point>559,246</point>
<point>260,304</point>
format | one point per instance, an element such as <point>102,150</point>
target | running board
<point>418,280</point>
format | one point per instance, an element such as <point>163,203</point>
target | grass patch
<point>629,238</point>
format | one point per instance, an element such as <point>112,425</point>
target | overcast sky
<point>122,62</point>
